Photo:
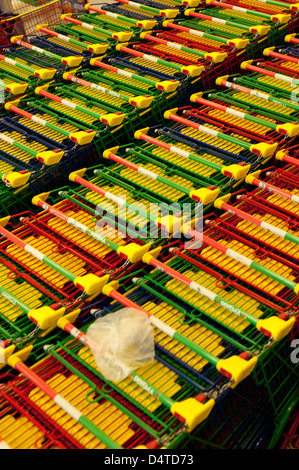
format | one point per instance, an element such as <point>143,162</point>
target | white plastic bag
<point>121,342</point>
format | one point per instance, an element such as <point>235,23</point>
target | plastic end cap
<point>16,38</point>
<point>39,26</point>
<point>192,70</point>
<point>166,23</point>
<point>169,223</point>
<point>45,317</point>
<point>146,258</point>
<point>108,288</point>
<point>141,102</point>
<point>98,48</point>
<point>267,51</point>
<point>237,171</point>
<point>218,202</point>
<point>91,283</point>
<point>4,221</point>
<point>168,86</point>
<point>239,43</point>
<point>113,150</point>
<point>82,137</point>
<point>147,24</point>
<point>169,112</point>
<point>263,149</point>
<point>245,63</point>
<point>11,103</point>
<point>277,327</point>
<point>220,79</point>
<point>192,412</point>
<point>294,7</point>
<point>45,74</point>
<point>261,30</point>
<point>17,88</point>
<point>289,128</point>
<point>192,3</point>
<point>134,252</point>
<point>281,19</point>
<point>95,59</point>
<point>87,6</point>
<point>119,46</point>
<point>72,61</point>
<point>112,120</point>
<point>169,13</point>
<point>205,195</point>
<point>249,178</point>
<point>216,57</point>
<point>279,155</point>
<point>69,318</point>
<point>40,197</point>
<point>296,289</point>
<point>236,367</point>
<point>195,95</point>
<point>5,353</point>
<point>123,36</point>
<point>188,11</point>
<point>74,174</point>
<point>49,157</point>
<point>16,179</point>
<point>38,89</point>
<point>141,131</point>
<point>19,356</point>
<point>142,35</point>
<point>65,15</point>
<point>289,36</point>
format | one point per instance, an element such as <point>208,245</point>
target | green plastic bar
<point>40,202</point>
<point>14,300</point>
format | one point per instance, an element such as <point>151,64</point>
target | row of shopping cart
<point>193,222</point>
<point>100,104</point>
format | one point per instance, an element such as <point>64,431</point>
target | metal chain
<point>67,304</point>
<point>23,338</point>
<point>166,440</point>
<point>257,352</point>
<point>293,313</point>
<point>111,271</point>
<point>215,393</point>
<point>229,183</point>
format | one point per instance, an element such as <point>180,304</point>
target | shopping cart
<point>237,91</point>
<point>116,423</point>
<point>245,418</point>
<point>253,122</point>
<point>206,132</point>
<point>25,16</point>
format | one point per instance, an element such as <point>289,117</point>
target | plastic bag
<point>121,342</point>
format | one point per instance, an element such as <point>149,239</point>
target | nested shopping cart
<point>240,89</point>
<point>282,62</point>
<point>26,15</point>
<point>69,253</point>
<point>144,11</point>
<point>110,420</point>
<point>206,131</point>
<point>253,415</point>
<point>252,122</point>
